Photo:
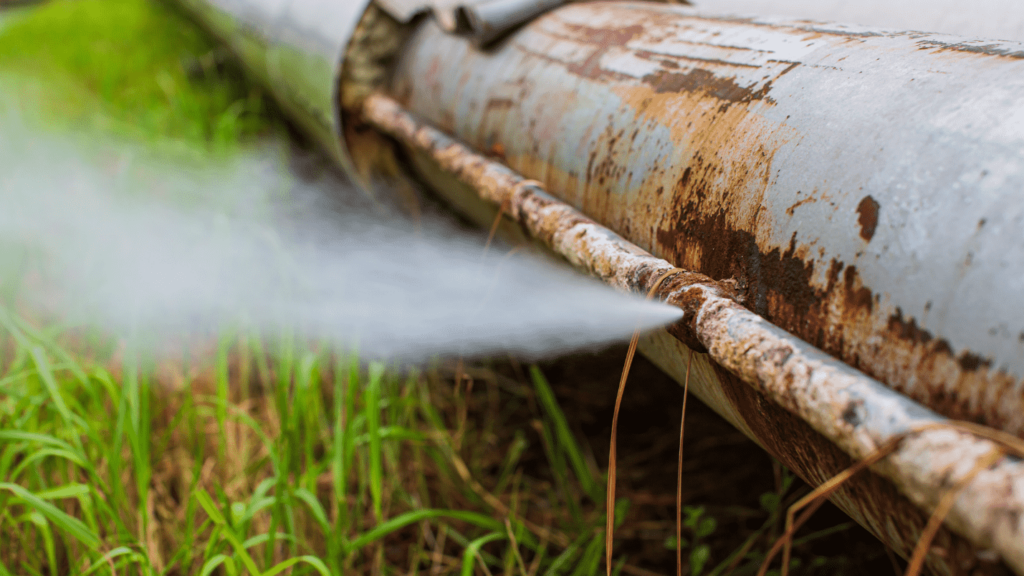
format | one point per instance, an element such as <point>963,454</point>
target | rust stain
<point>673,60</point>
<point>982,49</point>
<point>699,80</point>
<point>867,217</point>
<point>603,39</point>
<point>779,283</point>
<point>499,104</point>
<point>810,198</point>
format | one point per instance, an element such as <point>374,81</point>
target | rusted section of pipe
<point>861,186</point>
<point>868,498</point>
<point>851,410</point>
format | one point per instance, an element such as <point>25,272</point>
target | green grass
<point>257,460</point>
<point>133,69</point>
<point>255,463</point>
<point>241,456</point>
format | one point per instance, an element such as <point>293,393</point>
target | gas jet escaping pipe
<point>858,191</point>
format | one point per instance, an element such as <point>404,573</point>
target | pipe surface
<point>992,19</point>
<point>294,49</point>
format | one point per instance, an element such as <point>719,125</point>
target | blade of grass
<point>679,472</point>
<point>213,563</point>
<point>210,507</point>
<point>590,562</point>
<point>373,429</point>
<point>403,520</point>
<point>563,434</point>
<point>313,561</point>
<point>68,524</point>
<point>612,450</point>
<point>221,380</point>
<point>472,553</point>
<point>106,561</point>
<point>942,508</point>
<point>567,556</point>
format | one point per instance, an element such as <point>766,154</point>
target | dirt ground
<point>724,472</point>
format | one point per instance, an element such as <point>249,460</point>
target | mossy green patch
<point>135,69</point>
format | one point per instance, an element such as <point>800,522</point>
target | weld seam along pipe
<point>854,411</point>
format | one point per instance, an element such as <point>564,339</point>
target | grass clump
<point>262,462</point>
<point>246,458</point>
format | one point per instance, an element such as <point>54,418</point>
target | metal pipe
<point>814,166</point>
<point>848,408</point>
<point>863,189</point>
<point>721,146</point>
<point>295,50</point>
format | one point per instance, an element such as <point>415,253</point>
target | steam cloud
<point>151,249</point>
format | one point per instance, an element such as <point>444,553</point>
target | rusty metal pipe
<point>850,409</point>
<point>862,187</point>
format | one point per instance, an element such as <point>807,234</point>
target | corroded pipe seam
<point>855,412</point>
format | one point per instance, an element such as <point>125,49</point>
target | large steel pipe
<point>294,49</point>
<point>861,187</point>
<point>864,190</point>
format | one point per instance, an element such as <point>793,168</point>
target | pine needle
<point>679,475</point>
<point>494,228</point>
<point>610,499</point>
<point>942,510</point>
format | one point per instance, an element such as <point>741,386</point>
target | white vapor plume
<point>152,249</point>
